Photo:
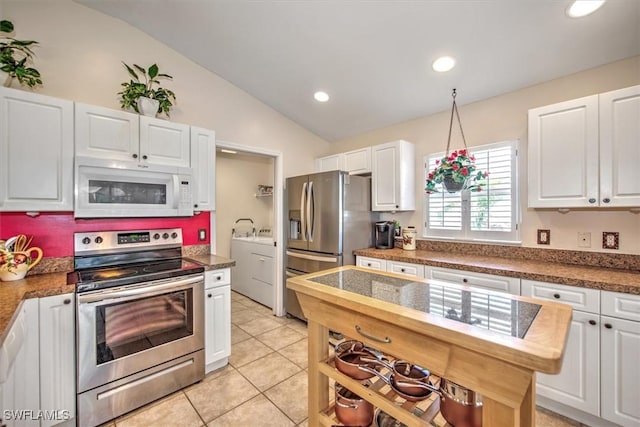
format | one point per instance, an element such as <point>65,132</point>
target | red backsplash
<point>53,231</point>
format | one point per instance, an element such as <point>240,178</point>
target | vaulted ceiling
<point>374,57</point>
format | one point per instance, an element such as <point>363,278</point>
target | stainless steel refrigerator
<point>328,217</point>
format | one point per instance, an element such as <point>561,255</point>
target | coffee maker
<point>385,234</point>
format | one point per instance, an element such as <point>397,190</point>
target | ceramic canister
<point>409,238</point>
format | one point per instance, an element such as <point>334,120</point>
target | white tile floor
<point>265,383</point>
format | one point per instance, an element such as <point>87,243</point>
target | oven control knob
<point>98,240</point>
<point>165,235</point>
<point>156,236</point>
<point>86,240</point>
<point>174,235</point>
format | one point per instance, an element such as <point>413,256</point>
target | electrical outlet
<point>202,234</point>
<point>610,240</point>
<point>544,237</point>
<point>584,240</point>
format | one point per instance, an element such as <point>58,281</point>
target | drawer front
<point>406,268</point>
<point>479,280</point>
<point>215,278</point>
<point>579,298</point>
<point>374,263</point>
<point>624,306</point>
<point>262,268</point>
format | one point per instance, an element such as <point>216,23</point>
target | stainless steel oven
<point>140,321</point>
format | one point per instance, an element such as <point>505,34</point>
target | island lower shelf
<point>420,413</point>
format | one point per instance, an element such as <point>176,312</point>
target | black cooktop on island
<point>476,307</point>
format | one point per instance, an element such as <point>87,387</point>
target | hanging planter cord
<point>454,107</point>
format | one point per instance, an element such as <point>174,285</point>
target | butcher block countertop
<point>606,279</point>
<point>44,285</point>
<point>380,309</point>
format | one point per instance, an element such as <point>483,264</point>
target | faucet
<point>233,230</point>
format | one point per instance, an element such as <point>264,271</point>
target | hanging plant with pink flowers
<point>455,172</point>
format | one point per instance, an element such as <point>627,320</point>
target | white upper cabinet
<point>333,162</point>
<point>356,162</point>
<point>393,176</point>
<point>585,152</point>
<point>119,135</point>
<point>203,163</point>
<point>620,147</point>
<point>36,152</point>
<point>164,143</point>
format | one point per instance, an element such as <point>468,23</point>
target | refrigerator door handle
<point>311,215</point>
<point>312,257</point>
<point>303,224</point>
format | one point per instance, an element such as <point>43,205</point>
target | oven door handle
<point>136,292</point>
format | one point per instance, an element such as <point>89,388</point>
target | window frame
<point>465,233</point>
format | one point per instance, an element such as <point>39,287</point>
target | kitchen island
<point>398,315</point>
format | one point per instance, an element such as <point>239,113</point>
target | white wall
<point>237,179</point>
<point>80,58</point>
<point>505,117</point>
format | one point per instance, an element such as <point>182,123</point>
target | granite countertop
<point>608,279</point>
<point>43,285</point>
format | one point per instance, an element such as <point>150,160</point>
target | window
<point>490,214</point>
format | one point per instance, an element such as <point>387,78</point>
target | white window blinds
<point>490,214</point>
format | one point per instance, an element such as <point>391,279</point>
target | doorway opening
<point>249,194</point>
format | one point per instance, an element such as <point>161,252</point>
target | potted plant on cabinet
<point>16,58</point>
<point>142,96</point>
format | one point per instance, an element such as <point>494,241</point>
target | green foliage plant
<point>16,57</point>
<point>136,88</point>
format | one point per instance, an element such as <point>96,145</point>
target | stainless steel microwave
<point>122,189</point>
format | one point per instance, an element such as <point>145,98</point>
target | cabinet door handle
<point>145,157</point>
<point>385,340</point>
<point>592,200</point>
<point>556,296</point>
<point>606,200</point>
<point>608,325</point>
<point>209,295</point>
<point>592,322</point>
<point>135,156</point>
<point>67,301</point>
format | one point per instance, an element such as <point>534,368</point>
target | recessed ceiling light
<point>580,8</point>
<point>443,64</point>
<point>224,150</point>
<point>321,96</point>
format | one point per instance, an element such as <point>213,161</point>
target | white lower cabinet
<point>39,354</point>
<point>57,358</point>
<point>620,339</point>
<point>373,263</point>
<point>477,280</point>
<point>405,268</point>
<point>254,274</point>
<point>217,314</point>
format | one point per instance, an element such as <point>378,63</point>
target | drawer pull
<point>368,264</point>
<point>218,277</point>
<point>385,340</point>
<point>402,269</point>
<point>465,280</point>
<point>556,296</point>
<point>209,295</point>
<point>67,301</point>
<point>592,322</point>
<point>608,325</point>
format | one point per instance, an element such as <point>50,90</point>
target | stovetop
<point>107,277</point>
<point>104,259</point>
